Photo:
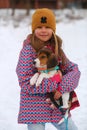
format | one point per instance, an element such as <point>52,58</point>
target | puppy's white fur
<point>38,77</point>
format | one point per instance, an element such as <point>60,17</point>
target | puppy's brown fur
<point>47,57</point>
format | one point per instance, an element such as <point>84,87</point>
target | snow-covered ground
<point>13,30</point>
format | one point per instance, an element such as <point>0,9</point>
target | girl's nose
<point>43,28</point>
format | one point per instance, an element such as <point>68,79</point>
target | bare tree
<point>26,3</point>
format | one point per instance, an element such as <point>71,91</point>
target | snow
<point>13,30</point>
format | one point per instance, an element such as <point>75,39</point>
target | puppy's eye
<point>42,57</point>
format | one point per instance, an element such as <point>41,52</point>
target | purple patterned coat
<point>33,105</point>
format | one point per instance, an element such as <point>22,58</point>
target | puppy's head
<point>46,58</point>
<point>52,61</point>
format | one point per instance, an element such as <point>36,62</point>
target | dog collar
<point>54,68</point>
<point>42,69</point>
<point>48,70</point>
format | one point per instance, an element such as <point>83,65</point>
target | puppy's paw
<point>32,81</point>
<point>39,80</point>
<point>37,83</point>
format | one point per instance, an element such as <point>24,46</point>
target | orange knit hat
<point>43,17</point>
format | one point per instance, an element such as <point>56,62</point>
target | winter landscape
<point>72,28</point>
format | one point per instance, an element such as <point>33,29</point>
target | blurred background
<point>18,10</point>
<point>15,25</point>
<point>33,4</point>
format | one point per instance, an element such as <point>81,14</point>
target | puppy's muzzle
<point>34,62</point>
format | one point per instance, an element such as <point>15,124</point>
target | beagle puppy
<point>47,65</point>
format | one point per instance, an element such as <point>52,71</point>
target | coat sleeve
<point>25,70</point>
<point>71,76</point>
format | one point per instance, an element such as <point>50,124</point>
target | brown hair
<point>55,42</point>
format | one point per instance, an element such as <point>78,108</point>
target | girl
<point>34,110</point>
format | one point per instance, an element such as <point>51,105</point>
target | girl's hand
<point>57,95</point>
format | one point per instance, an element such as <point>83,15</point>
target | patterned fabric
<point>75,103</point>
<point>33,105</point>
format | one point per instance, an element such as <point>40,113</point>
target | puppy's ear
<point>52,61</point>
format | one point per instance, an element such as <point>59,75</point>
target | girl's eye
<point>39,27</point>
<point>47,27</point>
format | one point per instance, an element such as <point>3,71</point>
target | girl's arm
<point>70,78</point>
<point>25,70</point>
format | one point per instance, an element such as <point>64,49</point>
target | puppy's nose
<point>34,62</point>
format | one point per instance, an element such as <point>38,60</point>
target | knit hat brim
<point>43,17</point>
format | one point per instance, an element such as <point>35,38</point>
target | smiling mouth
<point>43,35</point>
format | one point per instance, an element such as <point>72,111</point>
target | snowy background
<point>72,28</point>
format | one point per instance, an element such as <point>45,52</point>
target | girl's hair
<point>55,42</point>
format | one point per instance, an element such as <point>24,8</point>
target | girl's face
<point>43,33</point>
